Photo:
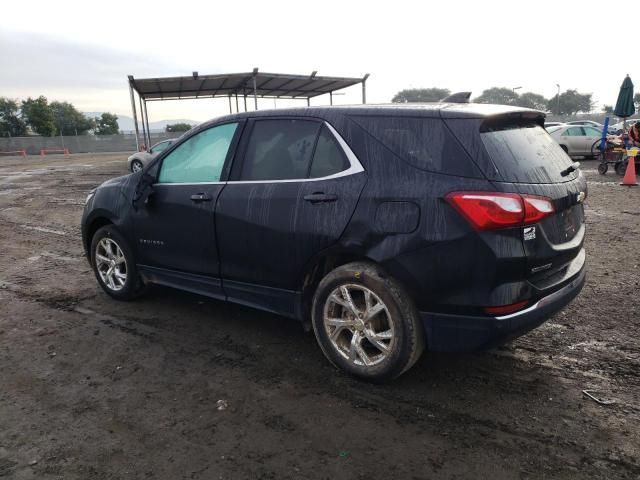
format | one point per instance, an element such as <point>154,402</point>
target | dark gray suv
<point>385,229</point>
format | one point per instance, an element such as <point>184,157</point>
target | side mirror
<point>144,190</point>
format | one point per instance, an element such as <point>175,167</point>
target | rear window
<point>525,154</point>
<point>425,143</point>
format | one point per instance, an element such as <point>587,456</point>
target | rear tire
<point>365,322</point>
<point>114,264</point>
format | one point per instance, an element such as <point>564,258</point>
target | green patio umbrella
<point>624,105</point>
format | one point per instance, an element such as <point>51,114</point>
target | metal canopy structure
<point>254,84</point>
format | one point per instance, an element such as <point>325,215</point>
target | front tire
<point>365,323</point>
<point>114,265</point>
<point>136,166</point>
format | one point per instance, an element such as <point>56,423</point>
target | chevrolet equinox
<point>385,229</point>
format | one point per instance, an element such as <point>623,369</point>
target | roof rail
<point>458,97</point>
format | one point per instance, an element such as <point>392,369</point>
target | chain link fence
<point>79,144</point>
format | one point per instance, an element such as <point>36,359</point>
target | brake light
<point>492,210</point>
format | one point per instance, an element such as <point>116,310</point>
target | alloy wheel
<point>359,325</point>
<point>111,264</point>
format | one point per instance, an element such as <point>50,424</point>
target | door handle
<point>200,197</point>
<point>319,197</point>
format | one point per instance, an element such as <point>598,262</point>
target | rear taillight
<point>492,210</point>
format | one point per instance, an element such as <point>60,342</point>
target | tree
<point>570,103</point>
<point>532,100</point>
<point>498,96</point>
<point>11,125</point>
<point>607,109</point>
<point>411,95</point>
<point>107,124</point>
<point>178,127</point>
<point>38,115</point>
<point>68,120</point>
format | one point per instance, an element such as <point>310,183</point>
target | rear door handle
<point>200,197</point>
<point>319,197</point>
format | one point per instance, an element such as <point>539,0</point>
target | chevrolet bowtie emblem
<point>580,197</point>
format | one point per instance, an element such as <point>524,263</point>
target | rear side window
<point>328,158</point>
<point>425,143</point>
<point>280,149</point>
<point>525,154</point>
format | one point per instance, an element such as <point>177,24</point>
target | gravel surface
<point>176,386</point>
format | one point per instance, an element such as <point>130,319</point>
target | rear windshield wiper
<point>571,168</point>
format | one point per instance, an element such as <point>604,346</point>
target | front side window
<point>574,132</point>
<point>280,150</point>
<point>592,132</point>
<point>200,158</point>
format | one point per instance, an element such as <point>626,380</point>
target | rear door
<point>291,196</point>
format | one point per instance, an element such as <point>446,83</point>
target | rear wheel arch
<point>317,269</point>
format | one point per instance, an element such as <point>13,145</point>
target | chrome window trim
<point>354,167</point>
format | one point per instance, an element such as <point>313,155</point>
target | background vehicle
<point>552,124</point>
<point>617,128</point>
<point>576,140</point>
<point>374,226</point>
<point>592,123</point>
<point>138,160</point>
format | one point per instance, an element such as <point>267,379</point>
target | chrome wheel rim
<point>136,166</point>
<point>358,325</point>
<point>111,264</point>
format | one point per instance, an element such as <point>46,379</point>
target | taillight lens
<point>492,210</point>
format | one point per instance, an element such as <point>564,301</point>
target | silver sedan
<point>576,140</point>
<point>138,160</point>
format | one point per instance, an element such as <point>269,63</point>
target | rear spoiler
<point>512,119</point>
<point>458,97</point>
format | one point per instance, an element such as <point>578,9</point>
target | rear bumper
<point>456,333</point>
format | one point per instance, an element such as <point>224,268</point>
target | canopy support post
<point>364,89</point>
<point>144,128</point>
<point>146,116</point>
<point>245,102</point>
<point>237,107</point>
<point>133,110</point>
<point>230,109</point>
<point>255,88</point>
<point>330,98</point>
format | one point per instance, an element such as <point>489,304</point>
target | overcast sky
<point>83,51</point>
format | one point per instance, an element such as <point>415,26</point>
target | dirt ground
<point>177,386</point>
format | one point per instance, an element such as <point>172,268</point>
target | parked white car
<point>576,139</point>
<point>138,160</point>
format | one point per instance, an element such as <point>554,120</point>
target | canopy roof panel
<point>265,85</point>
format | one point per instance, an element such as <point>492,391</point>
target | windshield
<point>526,154</point>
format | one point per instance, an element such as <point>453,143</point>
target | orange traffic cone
<point>630,174</point>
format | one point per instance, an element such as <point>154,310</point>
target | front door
<point>291,197</point>
<point>175,229</point>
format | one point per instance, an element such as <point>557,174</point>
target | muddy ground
<point>177,386</point>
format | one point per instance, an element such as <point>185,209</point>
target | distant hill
<point>126,123</point>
